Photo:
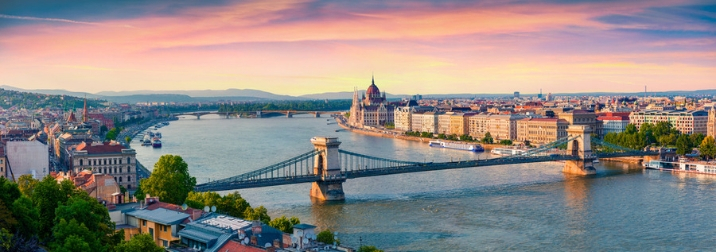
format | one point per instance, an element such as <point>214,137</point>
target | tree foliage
<point>26,183</point>
<point>488,138</point>
<point>325,236</point>
<point>47,196</point>
<point>140,242</point>
<point>708,148</point>
<point>170,180</point>
<point>259,213</point>
<point>231,204</point>
<point>284,224</point>
<point>84,217</point>
<point>366,248</point>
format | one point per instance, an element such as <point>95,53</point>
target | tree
<point>85,217</point>
<point>139,194</point>
<point>708,148</point>
<point>127,139</point>
<point>696,139</point>
<point>259,213</point>
<point>103,129</point>
<point>683,145</point>
<point>506,142</point>
<point>27,217</point>
<point>26,183</point>
<point>366,248</point>
<point>284,224</point>
<point>488,138</point>
<point>325,236</point>
<point>46,196</point>
<point>140,242</point>
<point>170,180</point>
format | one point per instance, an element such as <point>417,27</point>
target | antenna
<point>305,241</point>
<point>246,240</point>
<point>206,209</point>
<point>294,239</point>
<point>184,207</point>
<point>213,208</point>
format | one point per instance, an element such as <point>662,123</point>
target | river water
<point>497,208</point>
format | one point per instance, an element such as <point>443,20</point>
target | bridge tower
<point>581,146</point>
<point>288,114</point>
<point>328,167</point>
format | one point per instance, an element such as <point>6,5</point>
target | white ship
<point>506,151</point>
<point>683,166</point>
<point>457,146</point>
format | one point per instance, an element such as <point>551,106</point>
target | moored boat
<point>506,151</point>
<point>156,143</point>
<point>683,165</point>
<point>457,146</point>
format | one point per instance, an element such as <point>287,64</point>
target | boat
<point>165,123</point>
<point>683,165</point>
<point>457,146</point>
<point>506,151</point>
<point>156,143</point>
<point>147,140</point>
<point>158,134</point>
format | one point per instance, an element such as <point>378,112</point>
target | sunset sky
<point>303,47</point>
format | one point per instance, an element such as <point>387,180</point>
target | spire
<point>84,113</point>
<point>372,79</point>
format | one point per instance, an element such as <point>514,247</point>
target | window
<point>151,232</point>
<point>120,179</point>
<point>165,243</point>
<point>129,178</point>
<point>129,161</point>
<point>144,223</point>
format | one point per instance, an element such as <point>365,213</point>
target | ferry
<point>506,151</point>
<point>700,167</point>
<point>156,143</point>
<point>457,146</point>
<point>147,140</point>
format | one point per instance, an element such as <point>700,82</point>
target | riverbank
<point>133,130</point>
<point>396,135</point>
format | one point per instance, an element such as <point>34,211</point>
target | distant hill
<point>345,95</point>
<point>206,93</point>
<point>51,91</point>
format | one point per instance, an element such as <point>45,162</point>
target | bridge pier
<point>288,114</point>
<point>258,114</point>
<point>581,146</point>
<point>330,185</point>
<point>198,116</point>
<point>317,114</point>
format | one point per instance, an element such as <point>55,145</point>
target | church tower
<point>355,115</point>
<point>84,113</point>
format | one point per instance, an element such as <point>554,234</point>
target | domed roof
<point>372,90</point>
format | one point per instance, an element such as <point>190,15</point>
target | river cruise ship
<point>683,166</point>
<point>457,146</point>
<point>506,151</point>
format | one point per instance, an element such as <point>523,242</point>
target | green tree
<point>259,213</point>
<point>139,194</point>
<point>683,145</point>
<point>708,148</point>
<point>7,221</point>
<point>5,239</point>
<point>26,183</point>
<point>233,204</point>
<point>506,142</point>
<point>488,138</point>
<point>85,217</point>
<point>696,139</point>
<point>325,236</point>
<point>74,236</point>
<point>441,135</point>
<point>140,242</point>
<point>47,196</point>
<point>284,224</point>
<point>27,217</point>
<point>170,180</point>
<point>366,248</point>
<point>127,139</point>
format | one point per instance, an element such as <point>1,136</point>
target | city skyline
<point>306,47</point>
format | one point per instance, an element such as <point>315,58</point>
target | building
<point>372,110</point>
<point>711,127</point>
<point>161,224</point>
<point>27,157</point>
<point>430,122</point>
<point>686,121</point>
<point>102,187</point>
<point>501,127</point>
<point>404,115</point>
<point>582,117</point>
<point>459,124</point>
<point>517,94</point>
<point>3,164</point>
<point>541,130</point>
<point>444,123</point>
<point>108,158</point>
<point>613,122</point>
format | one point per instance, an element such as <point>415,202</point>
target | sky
<point>296,47</point>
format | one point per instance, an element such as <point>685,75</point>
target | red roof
<point>613,118</point>
<point>232,245</point>
<point>103,148</point>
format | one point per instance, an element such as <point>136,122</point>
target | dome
<point>372,91</point>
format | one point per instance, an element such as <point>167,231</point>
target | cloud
<point>57,20</point>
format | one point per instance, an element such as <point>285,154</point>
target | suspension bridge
<point>327,166</point>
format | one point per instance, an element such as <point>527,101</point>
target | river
<point>497,208</point>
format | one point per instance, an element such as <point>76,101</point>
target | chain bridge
<point>327,166</point>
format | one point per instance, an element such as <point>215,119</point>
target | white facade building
<point>28,157</point>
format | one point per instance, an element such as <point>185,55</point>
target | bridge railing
<point>301,165</point>
<point>354,161</point>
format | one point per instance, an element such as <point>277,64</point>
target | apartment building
<point>686,121</point>
<point>541,130</point>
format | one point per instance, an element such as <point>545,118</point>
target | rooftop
<point>160,215</point>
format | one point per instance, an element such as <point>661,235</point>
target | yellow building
<point>459,124</point>
<point>541,130</point>
<point>161,224</point>
<point>711,124</point>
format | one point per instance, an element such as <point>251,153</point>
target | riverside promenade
<point>343,123</point>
